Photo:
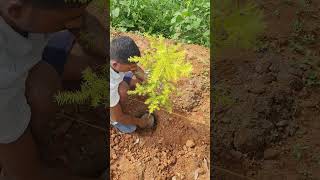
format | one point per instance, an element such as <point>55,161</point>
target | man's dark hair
<point>122,48</point>
<point>51,4</point>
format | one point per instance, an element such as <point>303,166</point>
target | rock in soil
<point>190,143</point>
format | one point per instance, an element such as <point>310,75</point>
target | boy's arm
<point>117,114</point>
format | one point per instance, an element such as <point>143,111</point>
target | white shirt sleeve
<point>115,80</point>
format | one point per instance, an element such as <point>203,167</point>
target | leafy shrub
<point>184,20</point>
<point>165,65</point>
<point>93,90</point>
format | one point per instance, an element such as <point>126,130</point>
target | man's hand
<point>92,36</point>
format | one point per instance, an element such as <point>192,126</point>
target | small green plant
<point>93,90</point>
<point>166,65</point>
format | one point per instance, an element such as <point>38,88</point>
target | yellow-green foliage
<point>166,64</point>
<point>93,90</point>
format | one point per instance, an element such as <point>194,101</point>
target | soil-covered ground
<point>266,123</point>
<point>179,147</point>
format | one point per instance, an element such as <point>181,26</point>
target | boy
<point>26,97</point>
<point>121,49</point>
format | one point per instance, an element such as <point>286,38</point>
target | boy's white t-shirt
<point>17,56</point>
<point>115,80</point>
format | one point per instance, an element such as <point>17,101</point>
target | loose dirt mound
<point>266,113</point>
<point>262,108</point>
<point>179,147</point>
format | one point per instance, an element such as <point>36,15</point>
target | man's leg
<point>42,83</point>
<point>21,161</point>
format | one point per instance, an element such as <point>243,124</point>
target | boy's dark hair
<point>52,4</point>
<point>122,48</point>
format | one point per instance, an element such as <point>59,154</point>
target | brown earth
<point>266,123</point>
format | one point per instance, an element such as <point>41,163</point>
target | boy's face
<point>26,17</point>
<point>120,67</point>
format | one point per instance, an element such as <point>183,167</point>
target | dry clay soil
<point>266,123</point>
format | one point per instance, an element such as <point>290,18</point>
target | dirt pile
<point>263,106</point>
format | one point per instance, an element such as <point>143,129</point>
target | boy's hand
<point>140,75</point>
<point>147,121</point>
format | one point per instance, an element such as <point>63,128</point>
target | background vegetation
<point>184,20</point>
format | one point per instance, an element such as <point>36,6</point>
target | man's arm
<point>90,49</point>
<point>92,36</point>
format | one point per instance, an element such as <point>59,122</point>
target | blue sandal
<point>123,128</point>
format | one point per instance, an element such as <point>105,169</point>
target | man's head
<point>121,49</point>
<point>43,16</point>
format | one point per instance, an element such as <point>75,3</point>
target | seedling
<point>94,90</point>
<point>166,65</point>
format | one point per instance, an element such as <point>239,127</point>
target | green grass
<point>184,20</point>
<point>236,25</point>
